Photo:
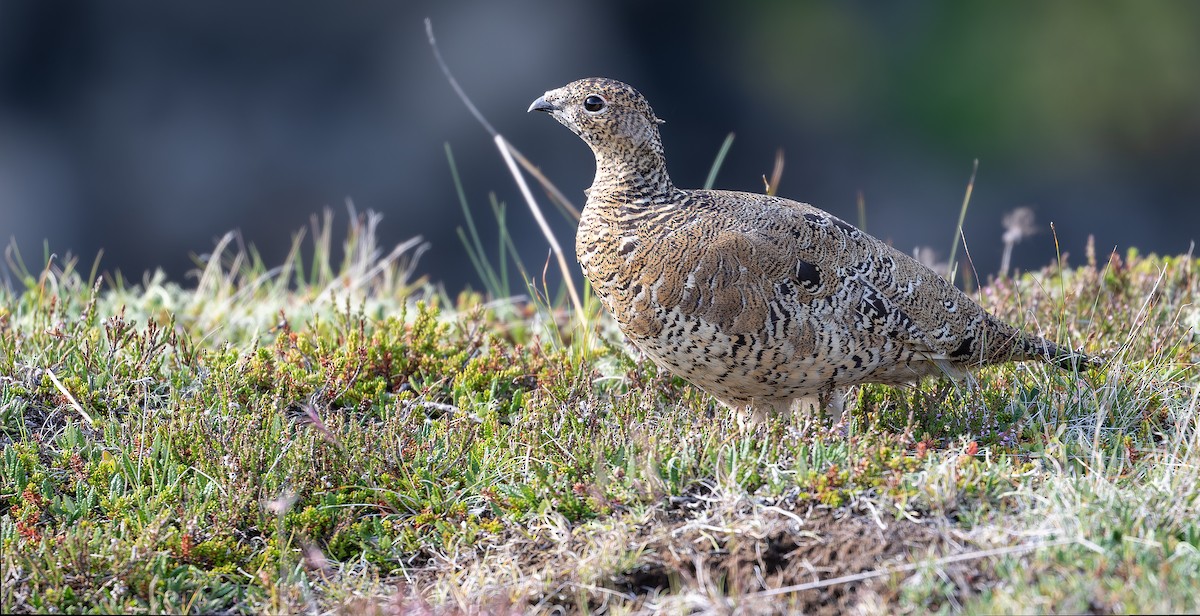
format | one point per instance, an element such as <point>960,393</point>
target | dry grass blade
<point>556,195</point>
<point>772,185</point>
<point>66,394</point>
<point>437,54</point>
<point>509,154</point>
<point>541,220</point>
<point>962,216</point>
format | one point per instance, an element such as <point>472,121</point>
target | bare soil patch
<point>774,548</point>
<point>705,554</point>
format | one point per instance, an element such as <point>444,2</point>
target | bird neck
<point>632,176</point>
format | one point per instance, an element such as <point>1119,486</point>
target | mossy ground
<point>344,439</point>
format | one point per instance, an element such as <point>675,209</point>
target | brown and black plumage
<point>760,301</point>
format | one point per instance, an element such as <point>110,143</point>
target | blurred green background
<point>149,129</point>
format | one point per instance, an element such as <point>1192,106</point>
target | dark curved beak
<point>541,105</point>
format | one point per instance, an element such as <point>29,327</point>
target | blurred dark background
<point>149,129</point>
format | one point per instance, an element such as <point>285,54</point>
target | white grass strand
<point>541,220</point>
<point>74,403</point>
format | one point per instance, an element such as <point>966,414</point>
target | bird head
<point>610,116</point>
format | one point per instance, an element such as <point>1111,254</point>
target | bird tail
<point>1034,347</point>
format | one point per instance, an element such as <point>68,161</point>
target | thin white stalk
<point>541,220</point>
<point>71,399</point>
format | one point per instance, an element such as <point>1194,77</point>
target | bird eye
<point>593,103</point>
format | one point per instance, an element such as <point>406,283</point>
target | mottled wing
<point>822,261</point>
